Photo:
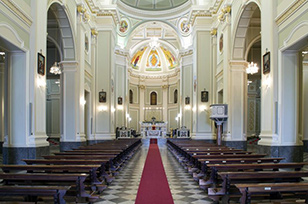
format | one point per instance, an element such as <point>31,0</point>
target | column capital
<point>165,86</point>
<point>141,86</point>
<point>238,65</point>
<point>68,66</point>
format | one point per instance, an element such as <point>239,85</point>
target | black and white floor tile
<point>125,187</point>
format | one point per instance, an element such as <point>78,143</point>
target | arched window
<point>175,96</point>
<point>131,96</point>
<point>153,98</point>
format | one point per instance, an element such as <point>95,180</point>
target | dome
<point>151,59</point>
<point>154,5</point>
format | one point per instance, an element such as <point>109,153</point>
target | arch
<point>256,39</point>
<point>153,98</point>
<point>67,37</point>
<point>244,18</point>
<point>175,95</point>
<point>131,96</point>
<point>49,38</point>
<point>131,31</point>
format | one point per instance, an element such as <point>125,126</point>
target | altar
<point>153,129</point>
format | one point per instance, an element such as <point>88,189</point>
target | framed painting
<point>187,100</point>
<point>204,96</point>
<point>266,63</point>
<point>102,97</point>
<point>120,100</point>
<point>40,64</point>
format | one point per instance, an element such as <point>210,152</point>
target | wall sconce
<point>187,107</point>
<point>267,82</point>
<point>41,83</point>
<point>82,101</point>
<point>102,108</point>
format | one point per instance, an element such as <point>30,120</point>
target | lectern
<point>219,113</point>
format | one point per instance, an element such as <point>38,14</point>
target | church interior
<point>154,101</point>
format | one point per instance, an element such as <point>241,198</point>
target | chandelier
<point>252,68</point>
<point>55,69</point>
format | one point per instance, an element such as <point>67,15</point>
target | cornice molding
<point>16,10</point>
<point>290,11</point>
<point>161,76</point>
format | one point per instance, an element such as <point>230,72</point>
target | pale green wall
<point>135,89</point>
<point>284,34</point>
<point>172,113</point>
<point>172,88</point>
<point>148,91</point>
<point>134,114</point>
<point>187,87</point>
<point>204,78</point>
<point>103,78</point>
<point>15,25</point>
<point>27,2</point>
<point>120,92</point>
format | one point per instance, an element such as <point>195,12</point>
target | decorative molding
<point>11,5</point>
<point>145,76</point>
<point>165,86</point>
<point>294,30</point>
<point>20,43</point>
<point>214,32</point>
<point>142,86</point>
<point>186,53</point>
<point>290,11</point>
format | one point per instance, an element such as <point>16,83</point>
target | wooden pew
<point>230,178</point>
<point>248,190</point>
<point>57,192</point>
<point>202,165</point>
<point>88,169</point>
<point>215,168</point>
<point>48,179</point>
<point>104,164</point>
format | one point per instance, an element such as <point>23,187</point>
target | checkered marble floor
<point>124,188</point>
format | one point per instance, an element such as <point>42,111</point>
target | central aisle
<point>183,188</point>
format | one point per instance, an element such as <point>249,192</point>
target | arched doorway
<point>60,49</point>
<point>247,49</point>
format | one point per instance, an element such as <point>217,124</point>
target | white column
<point>165,102</point>
<point>305,101</point>
<point>17,112</point>
<point>2,126</point>
<point>37,93</point>
<point>70,103</point>
<point>269,88</point>
<point>141,89</point>
<point>237,104</point>
<point>104,118</point>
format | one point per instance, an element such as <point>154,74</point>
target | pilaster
<point>71,102</point>
<point>237,90</point>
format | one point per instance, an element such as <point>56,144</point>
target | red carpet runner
<point>154,187</point>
